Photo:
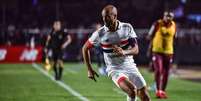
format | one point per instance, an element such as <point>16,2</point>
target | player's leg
<point>143,94</point>
<point>122,81</point>
<point>157,63</point>
<point>129,89</point>
<point>167,62</point>
<point>61,64</point>
<point>61,67</point>
<point>138,80</point>
<point>55,64</point>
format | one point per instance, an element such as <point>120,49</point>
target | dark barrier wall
<point>187,45</point>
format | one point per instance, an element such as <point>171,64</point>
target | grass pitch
<point>22,82</point>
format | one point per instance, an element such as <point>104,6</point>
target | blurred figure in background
<point>58,41</point>
<point>11,39</point>
<point>161,36</point>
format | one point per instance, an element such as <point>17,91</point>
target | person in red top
<point>161,36</point>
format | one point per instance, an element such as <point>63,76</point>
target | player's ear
<point>115,16</point>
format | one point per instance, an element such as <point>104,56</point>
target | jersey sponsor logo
<point>29,55</point>
<point>3,53</point>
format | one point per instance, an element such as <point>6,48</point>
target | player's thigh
<point>55,55</point>
<point>128,87</point>
<point>157,61</point>
<point>58,57</point>
<point>137,79</point>
<point>60,62</point>
<point>122,81</point>
<point>118,76</point>
<point>167,61</point>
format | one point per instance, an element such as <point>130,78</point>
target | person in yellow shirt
<point>161,36</point>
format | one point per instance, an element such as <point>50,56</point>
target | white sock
<point>131,99</point>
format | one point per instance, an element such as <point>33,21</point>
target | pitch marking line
<point>61,84</point>
<point>71,71</point>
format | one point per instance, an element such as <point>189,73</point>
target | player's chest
<point>166,31</point>
<point>58,36</point>
<point>113,37</point>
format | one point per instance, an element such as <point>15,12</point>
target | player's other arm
<point>150,36</point>
<point>68,40</point>
<point>175,35</point>
<point>152,31</point>
<point>47,42</point>
<point>134,50</point>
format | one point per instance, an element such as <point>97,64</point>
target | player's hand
<point>92,74</point>
<point>63,46</point>
<point>118,50</point>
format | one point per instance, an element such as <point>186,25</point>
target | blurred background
<point>23,21</point>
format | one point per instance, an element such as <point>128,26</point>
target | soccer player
<point>58,40</point>
<point>161,36</point>
<point>119,44</point>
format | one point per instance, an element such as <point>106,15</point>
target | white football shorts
<point>132,74</point>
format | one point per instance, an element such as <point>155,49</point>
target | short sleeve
<point>65,32</point>
<point>132,33</point>
<point>94,39</point>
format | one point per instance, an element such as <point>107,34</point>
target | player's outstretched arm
<point>86,55</point>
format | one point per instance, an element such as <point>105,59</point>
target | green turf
<point>21,82</point>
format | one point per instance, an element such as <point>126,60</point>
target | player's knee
<point>131,93</point>
<point>143,93</point>
<point>146,98</point>
<point>128,88</point>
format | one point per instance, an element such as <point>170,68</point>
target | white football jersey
<point>106,39</point>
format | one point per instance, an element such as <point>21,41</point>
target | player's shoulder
<point>100,30</point>
<point>65,30</point>
<point>157,22</point>
<point>173,22</point>
<point>125,24</point>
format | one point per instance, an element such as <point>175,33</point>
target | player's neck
<point>114,27</point>
<point>56,30</point>
<point>167,23</point>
